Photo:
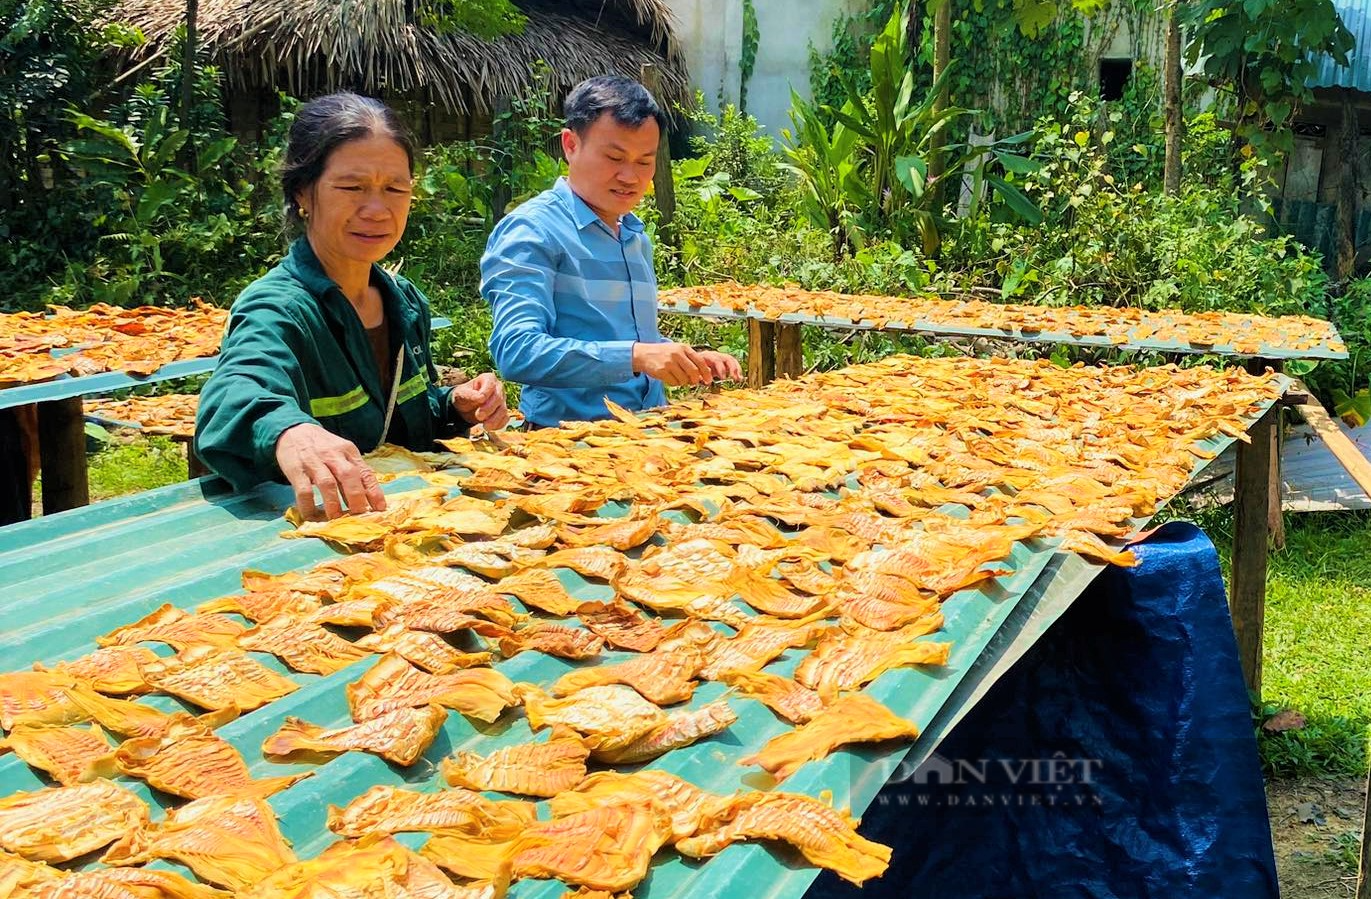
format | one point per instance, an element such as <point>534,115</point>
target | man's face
<point>610,165</point>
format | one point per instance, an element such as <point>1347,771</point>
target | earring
<point>304,213</point>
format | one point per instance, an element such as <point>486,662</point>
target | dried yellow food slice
<point>541,589</point>
<point>686,803</point>
<point>663,678</point>
<point>399,735</point>
<point>558,640</point>
<point>19,876</point>
<point>231,841</point>
<point>126,883</point>
<point>213,678</point>
<point>190,761</point>
<point>620,535</point>
<point>759,642</point>
<point>265,604</point>
<point>791,700</point>
<point>386,810</point>
<point>825,836</point>
<point>301,645</point>
<point>37,698</point>
<point>607,848</point>
<point>114,669</point>
<point>851,658</point>
<point>529,769</point>
<point>62,823</point>
<point>680,729</point>
<point>71,755</point>
<point>854,718</point>
<point>621,625</point>
<point>614,713</point>
<point>176,628</point>
<point>426,650</point>
<point>599,562</point>
<point>374,866</point>
<point>481,693</point>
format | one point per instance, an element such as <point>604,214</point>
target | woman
<point>326,355</point>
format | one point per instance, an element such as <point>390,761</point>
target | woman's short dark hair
<point>323,125</point>
<point>628,101</point>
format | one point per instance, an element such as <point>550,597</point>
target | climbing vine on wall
<point>1015,60</point>
<point>747,60</point>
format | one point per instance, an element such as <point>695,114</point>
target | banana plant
<point>869,172</point>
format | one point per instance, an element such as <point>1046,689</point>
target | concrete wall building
<point>710,33</point>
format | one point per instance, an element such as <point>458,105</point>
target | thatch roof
<point>306,47</point>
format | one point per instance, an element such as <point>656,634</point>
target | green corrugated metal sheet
<point>1161,346</point>
<point>67,387</point>
<point>1356,15</point>
<point>67,578</point>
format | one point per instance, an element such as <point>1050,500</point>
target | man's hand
<point>674,364</point>
<point>481,401</point>
<point>310,457</point>
<point>723,366</point>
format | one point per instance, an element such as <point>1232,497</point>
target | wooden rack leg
<point>1275,515</point>
<point>761,353</point>
<point>1364,875</point>
<point>789,350</point>
<point>62,448</point>
<point>1251,531</point>
<point>16,487</point>
<point>194,467</point>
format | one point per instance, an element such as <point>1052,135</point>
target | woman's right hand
<point>310,457</point>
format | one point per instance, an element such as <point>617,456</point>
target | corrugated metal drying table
<point>66,578</point>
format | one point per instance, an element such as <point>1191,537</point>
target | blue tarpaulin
<point>1115,760</point>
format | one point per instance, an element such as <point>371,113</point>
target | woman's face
<point>356,211</point>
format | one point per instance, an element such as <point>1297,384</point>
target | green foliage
<point>867,175</point>
<point>1266,52</point>
<point>1345,385</point>
<point>1108,243</point>
<point>747,58</point>
<point>485,19</point>
<point>165,229</point>
<point>738,147</point>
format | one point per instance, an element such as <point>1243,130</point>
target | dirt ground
<point>1316,824</point>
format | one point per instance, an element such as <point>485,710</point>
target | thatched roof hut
<point>307,47</point>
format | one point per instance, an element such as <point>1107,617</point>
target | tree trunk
<point>942,52</point>
<point>1349,186</point>
<point>188,73</point>
<point>1175,121</point>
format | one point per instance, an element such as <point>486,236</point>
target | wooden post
<point>789,350</point>
<point>1349,189</point>
<point>1364,877</point>
<point>16,482</point>
<point>1247,600</point>
<point>1275,515</point>
<point>195,468</point>
<point>62,445</point>
<point>761,353</point>
<point>663,187</point>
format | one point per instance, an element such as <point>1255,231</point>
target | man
<point>569,274</point>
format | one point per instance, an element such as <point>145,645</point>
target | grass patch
<point>1318,628</point>
<point>129,465</point>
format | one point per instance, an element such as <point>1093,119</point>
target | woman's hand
<point>310,457</point>
<point>481,401</point>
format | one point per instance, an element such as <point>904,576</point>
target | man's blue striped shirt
<point>570,299</point>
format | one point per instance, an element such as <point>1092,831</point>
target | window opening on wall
<point>1114,75</point>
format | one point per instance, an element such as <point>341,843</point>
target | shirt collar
<point>583,215</point>
<point>305,264</point>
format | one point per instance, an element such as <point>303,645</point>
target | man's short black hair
<point>628,101</point>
